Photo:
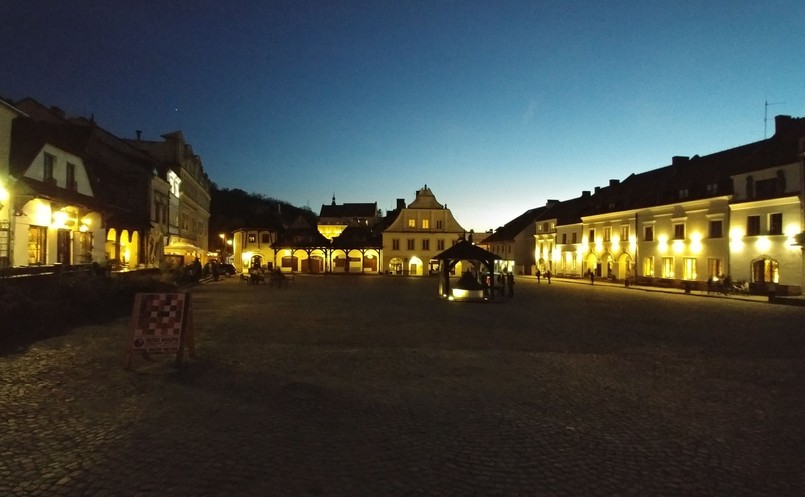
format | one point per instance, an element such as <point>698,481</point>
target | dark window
<point>439,243</point>
<point>573,238</point>
<point>648,233</point>
<point>716,229</point>
<point>776,223</point>
<point>265,238</point>
<point>47,173</point>
<point>395,244</point>
<point>564,238</point>
<point>753,226</point>
<point>410,244</point>
<point>766,188</point>
<point>71,184</point>
<point>591,238</point>
<point>679,231</point>
<point>425,244</point>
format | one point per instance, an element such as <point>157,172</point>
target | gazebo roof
<point>466,251</point>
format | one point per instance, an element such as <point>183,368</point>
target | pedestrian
<point>539,274</point>
<point>502,283</point>
<point>214,270</point>
<point>592,277</point>
<point>548,275</point>
<point>510,284</point>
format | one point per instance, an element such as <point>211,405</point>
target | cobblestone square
<point>373,386</point>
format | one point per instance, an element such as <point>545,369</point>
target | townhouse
<point>418,232</point>
<point>736,213</point>
<point>77,194</point>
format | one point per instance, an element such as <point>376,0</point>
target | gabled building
<point>419,231</point>
<point>301,248</point>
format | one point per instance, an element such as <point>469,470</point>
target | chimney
<point>585,193</point>
<point>782,124</point>
<point>678,160</point>
<point>614,182</point>
<point>139,134</point>
<point>551,202</point>
<point>597,189</point>
<point>400,203</point>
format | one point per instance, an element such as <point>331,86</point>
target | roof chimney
<point>585,193</point>
<point>782,124</point>
<point>678,160</point>
<point>551,202</point>
<point>614,182</point>
<point>400,203</point>
<point>597,189</point>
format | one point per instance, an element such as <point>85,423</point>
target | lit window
<point>714,268</point>
<point>425,224</point>
<point>412,223</point>
<point>648,266</point>
<point>607,234</point>
<point>624,233</point>
<point>689,268</point>
<point>667,267</point>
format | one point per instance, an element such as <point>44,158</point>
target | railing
<point>22,271</point>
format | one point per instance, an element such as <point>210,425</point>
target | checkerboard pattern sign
<point>161,322</point>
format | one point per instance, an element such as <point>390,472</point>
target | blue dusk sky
<point>497,106</point>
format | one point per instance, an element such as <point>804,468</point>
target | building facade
<point>420,230</point>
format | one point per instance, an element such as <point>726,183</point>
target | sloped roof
<point>508,231</point>
<point>466,251</point>
<point>425,200</point>
<point>349,210</point>
<point>358,237</point>
<point>301,235</point>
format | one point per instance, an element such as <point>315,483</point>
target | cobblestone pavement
<point>373,386</point>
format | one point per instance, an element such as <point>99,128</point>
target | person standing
<point>539,275</point>
<point>510,283</point>
<point>548,276</point>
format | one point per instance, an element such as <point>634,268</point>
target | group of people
<point>506,282</point>
<point>547,275</point>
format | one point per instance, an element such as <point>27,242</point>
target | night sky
<point>497,106</point>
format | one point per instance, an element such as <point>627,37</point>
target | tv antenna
<point>766,114</point>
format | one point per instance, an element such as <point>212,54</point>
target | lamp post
<point>222,236</point>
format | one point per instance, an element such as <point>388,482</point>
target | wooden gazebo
<point>464,251</point>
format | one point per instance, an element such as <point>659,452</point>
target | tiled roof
<point>349,210</point>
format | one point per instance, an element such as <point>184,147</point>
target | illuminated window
<point>412,223</point>
<point>667,267</point>
<point>715,268</point>
<point>425,224</point>
<point>648,266</point>
<point>689,264</point>
<point>716,229</point>
<point>395,244</point>
<point>679,231</point>
<point>607,234</point>
<point>426,244</point>
<point>776,223</point>
<point>410,244</point>
<point>752,225</point>
<point>252,238</point>
<point>37,244</point>
<point>648,233</point>
<point>439,244</point>
<point>624,233</point>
